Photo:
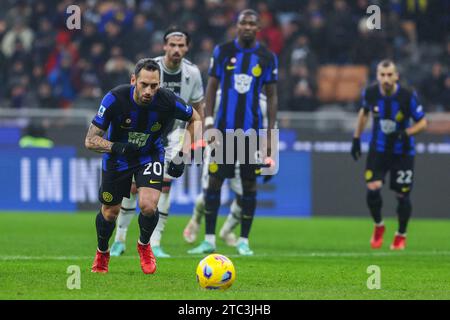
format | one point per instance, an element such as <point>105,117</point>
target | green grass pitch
<point>318,258</point>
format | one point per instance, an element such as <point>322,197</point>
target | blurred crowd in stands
<point>326,52</point>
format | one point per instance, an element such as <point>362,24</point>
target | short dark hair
<point>146,64</point>
<point>176,31</point>
<point>247,12</point>
<point>386,63</point>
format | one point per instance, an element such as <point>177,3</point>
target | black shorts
<point>117,184</point>
<point>401,168</point>
<point>249,169</point>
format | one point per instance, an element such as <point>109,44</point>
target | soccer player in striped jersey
<point>183,78</point>
<point>391,148</point>
<point>241,68</point>
<point>233,219</point>
<point>134,117</point>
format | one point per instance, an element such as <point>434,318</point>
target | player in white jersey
<point>183,78</point>
<point>233,219</point>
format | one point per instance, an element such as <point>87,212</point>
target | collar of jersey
<point>391,96</point>
<point>236,43</point>
<point>167,70</point>
<point>132,98</point>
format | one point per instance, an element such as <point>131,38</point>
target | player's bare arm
<point>361,122</point>
<point>210,100</point>
<point>417,127</point>
<point>200,108</point>
<point>94,140</point>
<point>272,108</point>
<point>193,131</point>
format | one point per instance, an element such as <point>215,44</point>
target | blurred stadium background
<point>53,80</point>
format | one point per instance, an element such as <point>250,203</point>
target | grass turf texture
<point>319,258</point>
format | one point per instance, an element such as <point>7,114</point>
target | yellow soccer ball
<point>216,272</point>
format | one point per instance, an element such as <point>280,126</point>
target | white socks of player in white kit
<point>163,208</point>
<point>233,218</point>
<point>127,212</point>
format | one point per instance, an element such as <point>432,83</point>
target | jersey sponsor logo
<point>154,181</point>
<point>155,127</point>
<point>230,67</point>
<point>138,138</point>
<point>242,82</point>
<point>107,196</point>
<point>101,111</point>
<point>368,175</point>
<point>387,126</point>
<point>256,71</point>
<point>399,116</point>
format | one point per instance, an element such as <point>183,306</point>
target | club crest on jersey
<point>387,126</point>
<point>101,111</point>
<point>155,127</point>
<point>242,82</point>
<point>138,138</point>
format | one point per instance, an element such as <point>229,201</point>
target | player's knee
<point>147,208</point>
<point>110,213</point>
<point>374,185</point>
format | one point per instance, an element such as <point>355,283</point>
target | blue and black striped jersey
<point>391,113</point>
<point>242,74</point>
<point>126,121</point>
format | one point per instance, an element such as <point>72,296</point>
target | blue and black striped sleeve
<point>215,67</point>
<point>416,108</point>
<point>104,114</point>
<point>271,74</point>
<point>183,111</point>
<point>364,103</point>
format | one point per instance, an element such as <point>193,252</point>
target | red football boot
<point>101,262</point>
<point>377,237</point>
<point>148,261</point>
<point>399,242</point>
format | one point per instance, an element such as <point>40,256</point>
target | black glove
<point>176,170</point>
<point>356,149</point>
<point>121,148</point>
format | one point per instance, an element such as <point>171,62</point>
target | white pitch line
<point>261,255</point>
